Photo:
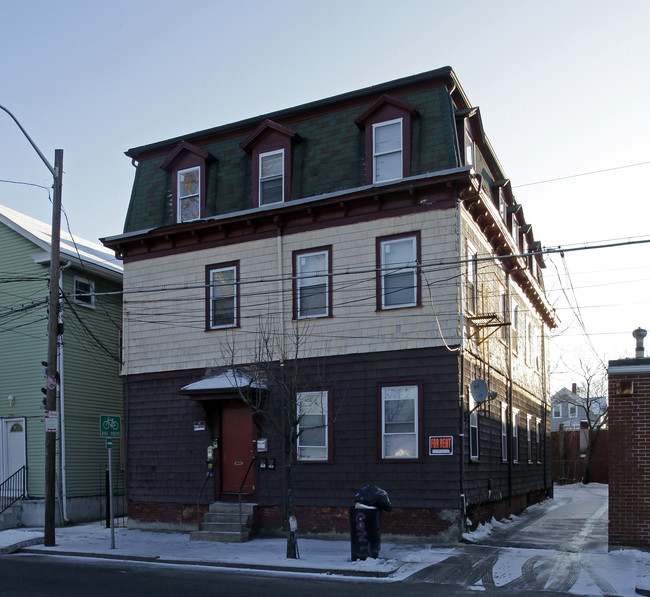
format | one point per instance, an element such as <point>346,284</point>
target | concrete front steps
<point>222,523</point>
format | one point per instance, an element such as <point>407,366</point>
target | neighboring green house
<point>88,366</point>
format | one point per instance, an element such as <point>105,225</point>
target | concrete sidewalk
<point>316,556</point>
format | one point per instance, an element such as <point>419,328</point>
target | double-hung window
<point>557,411</point>
<point>84,292</point>
<point>387,150</point>
<point>387,124</point>
<point>538,439</point>
<point>469,148</point>
<point>223,297</point>
<point>399,276</point>
<point>504,431</point>
<point>473,428</point>
<point>514,328</point>
<point>312,443</point>
<point>189,197</point>
<point>271,177</point>
<point>503,206</point>
<point>515,435</point>
<point>529,437</point>
<point>504,314</point>
<point>187,166</point>
<point>472,275</point>
<point>312,293</point>
<point>399,421</point>
<point>516,231</point>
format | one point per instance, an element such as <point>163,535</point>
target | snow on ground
<point>578,572</point>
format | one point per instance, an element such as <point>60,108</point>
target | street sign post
<point>110,426</point>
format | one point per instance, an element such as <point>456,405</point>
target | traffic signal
<point>50,382</point>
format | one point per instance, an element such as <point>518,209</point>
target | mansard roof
<point>268,125</point>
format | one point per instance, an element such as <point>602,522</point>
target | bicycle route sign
<point>110,426</point>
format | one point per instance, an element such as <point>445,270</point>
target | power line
<point>530,184</point>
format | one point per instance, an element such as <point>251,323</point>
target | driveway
<point>574,521</point>
<point>558,546</point>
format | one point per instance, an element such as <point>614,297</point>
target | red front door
<point>236,447</point>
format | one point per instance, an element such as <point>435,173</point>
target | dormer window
<point>189,196</point>
<point>469,147</point>
<point>271,177</point>
<point>503,206</point>
<point>387,150</point>
<point>515,230</point>
<point>387,126</point>
<point>187,166</point>
<point>270,145</point>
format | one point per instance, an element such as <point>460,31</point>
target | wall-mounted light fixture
<point>11,399</point>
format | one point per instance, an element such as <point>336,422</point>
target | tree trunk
<point>586,475</point>
<point>292,550</point>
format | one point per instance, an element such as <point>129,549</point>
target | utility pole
<point>52,338</point>
<point>52,331</point>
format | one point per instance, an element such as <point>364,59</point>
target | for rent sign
<point>441,445</point>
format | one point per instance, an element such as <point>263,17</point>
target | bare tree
<point>590,399</point>
<point>274,365</point>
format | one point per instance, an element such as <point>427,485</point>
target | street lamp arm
<point>38,151</point>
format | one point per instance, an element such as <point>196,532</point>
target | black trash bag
<point>374,496</point>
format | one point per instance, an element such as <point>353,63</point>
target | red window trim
<point>295,256</point>
<point>270,136</point>
<point>387,108</point>
<point>330,429</point>
<point>420,441</point>
<point>208,282</point>
<point>183,157</point>
<point>418,273</point>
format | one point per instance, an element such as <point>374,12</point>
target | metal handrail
<point>12,489</point>
<point>198,503</point>
<point>248,470</point>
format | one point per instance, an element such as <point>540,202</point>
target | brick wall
<point>629,439</point>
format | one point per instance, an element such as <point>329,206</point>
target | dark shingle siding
<point>329,156</point>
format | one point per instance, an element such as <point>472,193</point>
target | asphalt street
<point>51,576</point>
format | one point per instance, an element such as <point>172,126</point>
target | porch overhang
<point>224,385</point>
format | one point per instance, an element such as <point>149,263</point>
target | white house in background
<point>567,408</point>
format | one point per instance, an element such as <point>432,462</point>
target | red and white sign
<point>51,421</point>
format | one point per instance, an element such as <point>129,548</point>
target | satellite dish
<point>479,390</point>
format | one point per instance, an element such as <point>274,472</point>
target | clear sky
<point>563,88</point>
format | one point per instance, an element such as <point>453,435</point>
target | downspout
<point>287,499</point>
<point>63,491</point>
<point>544,404</point>
<point>280,286</point>
<point>509,392</point>
<point>461,356</point>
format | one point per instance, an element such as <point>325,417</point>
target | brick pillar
<point>629,453</point>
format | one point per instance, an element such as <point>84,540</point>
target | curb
<point>21,545</point>
<point>25,548</point>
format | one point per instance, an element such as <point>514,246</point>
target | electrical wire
<point>529,184</point>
